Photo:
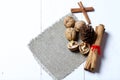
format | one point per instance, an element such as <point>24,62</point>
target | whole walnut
<point>70,34</point>
<point>79,24</point>
<point>69,22</point>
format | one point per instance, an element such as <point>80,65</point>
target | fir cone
<point>87,34</point>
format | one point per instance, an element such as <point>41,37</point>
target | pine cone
<point>87,34</point>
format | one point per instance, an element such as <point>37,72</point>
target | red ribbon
<point>96,47</point>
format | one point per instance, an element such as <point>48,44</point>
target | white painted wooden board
<point>20,21</point>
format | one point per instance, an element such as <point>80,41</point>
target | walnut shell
<point>70,34</point>
<point>78,25</point>
<point>73,46</point>
<point>84,48</point>
<point>69,22</point>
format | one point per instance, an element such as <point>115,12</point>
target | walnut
<point>69,22</point>
<point>84,48</point>
<point>73,46</point>
<point>79,24</point>
<point>70,34</point>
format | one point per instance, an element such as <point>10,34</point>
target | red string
<point>96,47</point>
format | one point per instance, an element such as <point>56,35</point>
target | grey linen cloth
<point>50,50</point>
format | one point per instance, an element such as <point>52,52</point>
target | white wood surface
<point>22,20</point>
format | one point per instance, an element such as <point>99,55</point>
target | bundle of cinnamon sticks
<point>95,49</point>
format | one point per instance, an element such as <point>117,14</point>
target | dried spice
<point>91,61</point>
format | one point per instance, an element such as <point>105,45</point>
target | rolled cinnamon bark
<point>84,12</point>
<point>87,9</point>
<point>93,54</point>
<point>99,31</point>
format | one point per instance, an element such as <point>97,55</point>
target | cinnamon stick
<point>99,31</point>
<point>87,9</point>
<point>84,12</point>
<point>92,57</point>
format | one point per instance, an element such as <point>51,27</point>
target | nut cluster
<point>73,28</point>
